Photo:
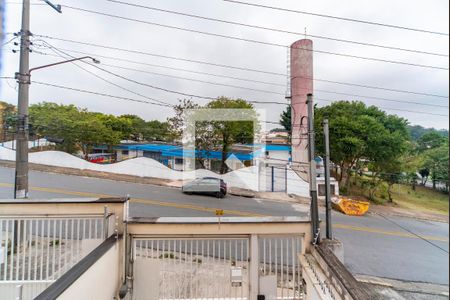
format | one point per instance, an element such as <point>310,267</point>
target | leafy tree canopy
<point>81,130</point>
<point>362,133</point>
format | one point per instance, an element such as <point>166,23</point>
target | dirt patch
<point>393,210</point>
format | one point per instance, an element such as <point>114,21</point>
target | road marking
<point>141,201</point>
<point>227,212</point>
<point>391,233</point>
<point>194,207</point>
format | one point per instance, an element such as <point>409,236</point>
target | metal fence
<point>280,270</point>
<point>36,251</point>
<point>217,267</point>
<point>273,178</point>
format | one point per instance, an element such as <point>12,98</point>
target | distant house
<point>278,137</point>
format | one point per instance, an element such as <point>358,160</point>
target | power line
<point>104,79</point>
<point>257,102</point>
<point>271,92</point>
<point>384,89</point>
<point>277,30</point>
<point>141,101</point>
<point>9,41</point>
<point>278,93</point>
<point>394,109</point>
<point>382,99</point>
<point>220,65</point>
<point>256,41</point>
<point>413,233</point>
<point>168,90</point>
<point>338,18</point>
<point>116,97</point>
<point>184,78</point>
<point>195,80</point>
<point>97,93</point>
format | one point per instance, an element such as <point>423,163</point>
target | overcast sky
<point>81,26</point>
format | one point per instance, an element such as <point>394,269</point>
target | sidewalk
<point>391,289</point>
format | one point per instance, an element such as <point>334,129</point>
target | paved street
<point>373,245</point>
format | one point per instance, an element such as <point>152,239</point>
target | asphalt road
<point>398,248</point>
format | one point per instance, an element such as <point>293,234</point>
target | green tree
<point>215,135</point>
<point>177,123</point>
<point>437,161</point>
<point>286,119</point>
<point>425,174</point>
<point>78,129</point>
<point>52,120</point>
<point>204,139</point>
<point>157,131</point>
<point>417,131</point>
<point>122,126</point>
<point>359,132</point>
<point>7,119</point>
<point>136,129</point>
<point>91,131</point>
<point>391,179</point>
<point>231,132</point>
<point>431,140</point>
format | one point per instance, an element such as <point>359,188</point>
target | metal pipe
<point>313,172</point>
<point>326,131</point>
<point>64,62</point>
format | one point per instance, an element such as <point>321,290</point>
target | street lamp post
<point>24,79</point>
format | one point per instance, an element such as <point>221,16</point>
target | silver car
<point>206,186</point>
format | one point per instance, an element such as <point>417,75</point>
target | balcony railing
<point>36,249</point>
<point>91,249</point>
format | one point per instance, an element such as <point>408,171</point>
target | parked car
<point>206,186</point>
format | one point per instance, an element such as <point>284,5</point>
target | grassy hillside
<point>423,199</point>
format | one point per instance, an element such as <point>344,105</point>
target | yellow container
<point>351,207</point>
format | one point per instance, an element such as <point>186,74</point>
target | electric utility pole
<point>23,78</point>
<point>313,172</point>
<point>326,134</point>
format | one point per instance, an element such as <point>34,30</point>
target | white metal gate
<point>216,267</point>
<point>280,270</point>
<point>192,268</point>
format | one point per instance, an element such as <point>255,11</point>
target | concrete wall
<point>30,290</point>
<point>100,282</point>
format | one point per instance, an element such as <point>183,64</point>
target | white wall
<point>99,282</point>
<point>30,290</point>
<point>146,167</point>
<point>278,157</point>
<point>296,185</point>
<point>31,144</point>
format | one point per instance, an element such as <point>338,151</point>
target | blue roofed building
<point>173,156</point>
